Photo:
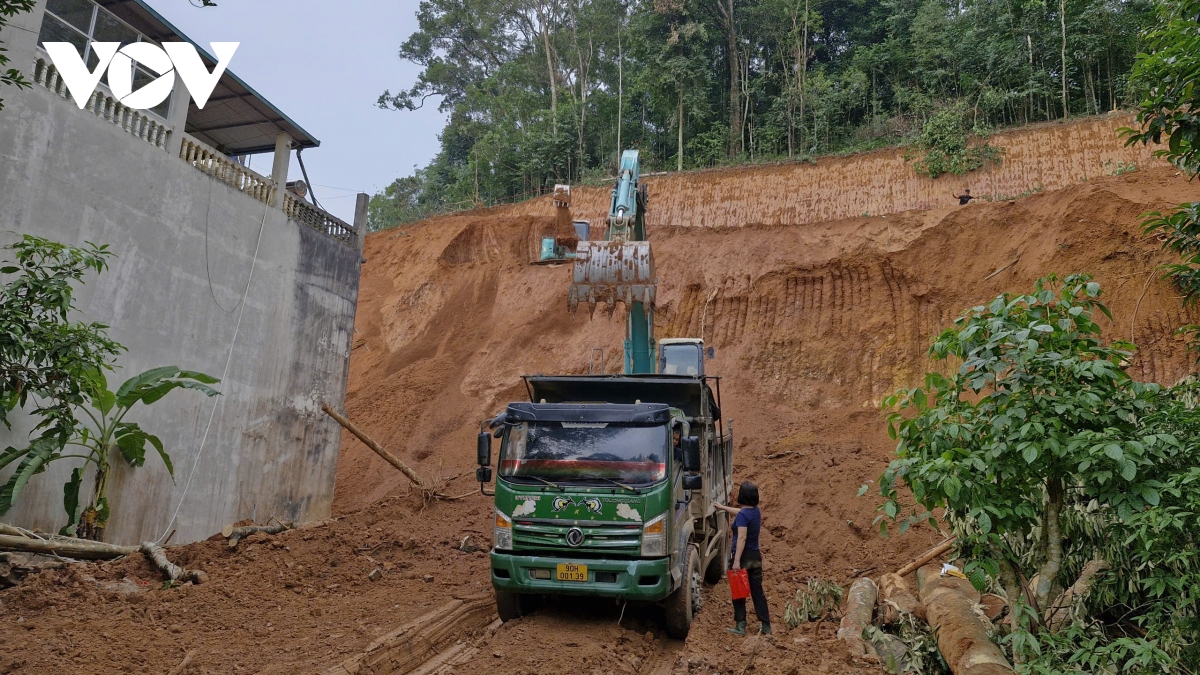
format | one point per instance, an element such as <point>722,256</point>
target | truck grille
<point>597,538</point>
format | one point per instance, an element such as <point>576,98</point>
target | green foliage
<point>540,93</point>
<point>818,601</point>
<point>1046,455</point>
<point>11,76</point>
<point>44,353</point>
<point>52,367</point>
<point>945,147</point>
<point>109,436</point>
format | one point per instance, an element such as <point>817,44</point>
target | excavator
<point>606,484</point>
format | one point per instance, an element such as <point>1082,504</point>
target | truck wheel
<point>514,605</point>
<point>719,565</point>
<point>682,605</point>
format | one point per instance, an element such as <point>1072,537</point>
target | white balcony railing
<point>227,171</point>
<point>307,214</point>
<point>136,123</point>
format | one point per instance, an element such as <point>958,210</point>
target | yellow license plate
<point>572,572</point>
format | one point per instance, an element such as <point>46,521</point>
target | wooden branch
<point>10,531</point>
<point>1002,269</point>
<point>428,491</point>
<point>187,660</point>
<point>66,547</point>
<point>1059,613</point>
<point>962,635</point>
<point>236,534</point>
<point>926,557</point>
<point>174,572</point>
<point>896,600</point>
<point>379,449</point>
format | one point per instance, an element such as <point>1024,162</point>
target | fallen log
<point>427,490</point>
<point>860,609</point>
<point>236,534</point>
<point>66,547</point>
<point>10,531</point>
<point>83,549</point>
<point>962,636</point>
<point>926,557</point>
<point>896,600</point>
<point>174,572</point>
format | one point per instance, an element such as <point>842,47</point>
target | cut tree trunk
<point>962,636</point>
<point>236,534</point>
<point>66,547</point>
<point>896,600</point>
<point>860,609</point>
<point>174,572</point>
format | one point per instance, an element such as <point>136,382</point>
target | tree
<point>53,367</point>
<point>1041,451</point>
<point>1039,415</point>
<point>11,76</point>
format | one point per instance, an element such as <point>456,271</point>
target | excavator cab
<point>682,356</point>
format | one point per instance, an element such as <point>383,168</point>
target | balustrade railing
<point>307,214</point>
<point>227,171</point>
<point>136,123</point>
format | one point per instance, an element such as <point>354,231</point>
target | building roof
<point>236,120</point>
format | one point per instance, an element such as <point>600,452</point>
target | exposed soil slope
<point>812,324</point>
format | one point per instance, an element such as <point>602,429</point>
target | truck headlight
<point>654,537</point>
<point>502,534</point>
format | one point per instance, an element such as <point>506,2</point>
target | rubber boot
<point>739,629</point>
<point>764,629</point>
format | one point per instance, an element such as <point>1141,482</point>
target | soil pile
<point>812,325</point>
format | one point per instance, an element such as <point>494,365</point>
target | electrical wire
<point>241,306</point>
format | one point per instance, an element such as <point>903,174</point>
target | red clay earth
<point>813,325</point>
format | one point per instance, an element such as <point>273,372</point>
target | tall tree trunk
<point>1029,42</point>
<point>725,13</point>
<point>1052,546</point>
<point>1062,18</point>
<point>803,70</point>
<point>679,145</point>
<point>544,17</point>
<point>620,92</point>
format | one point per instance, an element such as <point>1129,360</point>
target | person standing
<point>747,523</point>
<point>963,199</point>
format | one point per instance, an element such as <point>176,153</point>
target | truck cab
<point>605,486</point>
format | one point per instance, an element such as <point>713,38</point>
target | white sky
<point>324,63</point>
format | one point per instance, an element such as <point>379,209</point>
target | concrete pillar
<point>360,218</point>
<point>283,160</point>
<point>177,118</point>
<point>20,38</point>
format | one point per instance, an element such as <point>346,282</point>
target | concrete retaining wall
<point>185,247</point>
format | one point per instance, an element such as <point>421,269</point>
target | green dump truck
<point>605,486</point>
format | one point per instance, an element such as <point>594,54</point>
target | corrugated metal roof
<point>236,120</point>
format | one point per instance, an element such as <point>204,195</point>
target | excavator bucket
<point>612,272</point>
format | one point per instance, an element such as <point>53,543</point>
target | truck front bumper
<point>639,580</point>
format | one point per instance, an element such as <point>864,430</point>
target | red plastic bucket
<point>739,584</point>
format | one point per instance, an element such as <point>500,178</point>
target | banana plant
<point>100,441</point>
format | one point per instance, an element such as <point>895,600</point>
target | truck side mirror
<point>711,352</point>
<point>483,450</point>
<point>693,481</point>
<point>691,453</point>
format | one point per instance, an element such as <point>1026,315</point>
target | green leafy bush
<point>945,145</point>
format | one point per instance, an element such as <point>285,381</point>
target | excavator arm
<point>621,268</point>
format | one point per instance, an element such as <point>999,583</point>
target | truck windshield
<point>578,451</point>
<point>680,359</point>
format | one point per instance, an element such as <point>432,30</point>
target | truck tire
<point>719,565</point>
<point>682,605</point>
<point>514,605</point>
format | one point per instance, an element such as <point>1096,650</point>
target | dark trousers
<point>752,562</point>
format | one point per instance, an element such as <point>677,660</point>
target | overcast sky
<point>324,63</point>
